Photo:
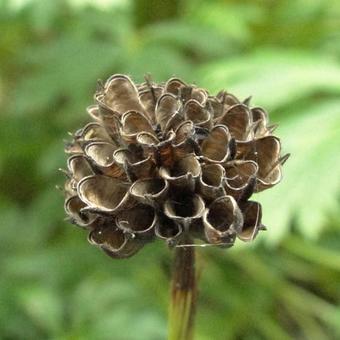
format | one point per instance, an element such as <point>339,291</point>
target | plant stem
<point>183,295</point>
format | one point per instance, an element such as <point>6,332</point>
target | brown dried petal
<point>132,124</point>
<point>73,147</point>
<point>173,123</point>
<point>166,111</point>
<point>79,167</point>
<point>139,220</point>
<point>103,193</point>
<point>134,165</point>
<point>168,229</point>
<point>197,113</point>
<point>112,126</point>
<point>94,132</point>
<point>120,95</point>
<point>252,215</point>
<point>260,117</point>
<point>173,86</point>
<point>215,148</point>
<point>73,207</point>
<point>101,153</point>
<point>265,152</point>
<point>93,111</point>
<point>180,89</point>
<point>222,220</point>
<point>227,99</point>
<point>150,191</point>
<point>162,151</point>
<point>199,95</point>
<point>238,120</point>
<point>221,103</point>
<point>272,178</point>
<point>184,208</point>
<point>183,140</point>
<point>215,105</point>
<point>239,176</point>
<point>184,173</point>
<point>184,131</point>
<point>147,140</point>
<point>109,121</point>
<point>114,242</point>
<point>210,183</point>
<point>149,97</point>
<point>70,188</point>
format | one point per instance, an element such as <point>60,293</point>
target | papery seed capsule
<point>167,161</point>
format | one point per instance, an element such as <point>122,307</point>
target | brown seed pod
<point>169,161</point>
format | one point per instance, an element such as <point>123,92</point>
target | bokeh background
<point>53,285</point>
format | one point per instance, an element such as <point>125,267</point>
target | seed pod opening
<point>215,148</point>
<point>139,220</point>
<point>114,242</point>
<point>184,208</point>
<point>222,220</point>
<point>252,215</point>
<point>150,191</point>
<point>101,154</point>
<point>184,173</point>
<point>211,181</point>
<point>104,193</point>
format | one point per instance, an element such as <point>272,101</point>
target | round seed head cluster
<point>169,161</point>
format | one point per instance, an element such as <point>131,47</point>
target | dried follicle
<point>139,220</point>
<point>211,182</point>
<point>171,162</point>
<point>222,221</point>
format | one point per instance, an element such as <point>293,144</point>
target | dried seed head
<point>167,160</point>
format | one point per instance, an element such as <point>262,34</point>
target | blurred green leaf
<point>231,19</point>
<point>44,307</point>
<point>115,311</point>
<point>311,176</point>
<point>151,58</point>
<point>276,78</point>
<point>67,69</point>
<point>193,39</point>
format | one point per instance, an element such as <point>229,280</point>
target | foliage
<point>284,53</point>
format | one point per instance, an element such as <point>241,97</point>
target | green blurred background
<point>53,285</point>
